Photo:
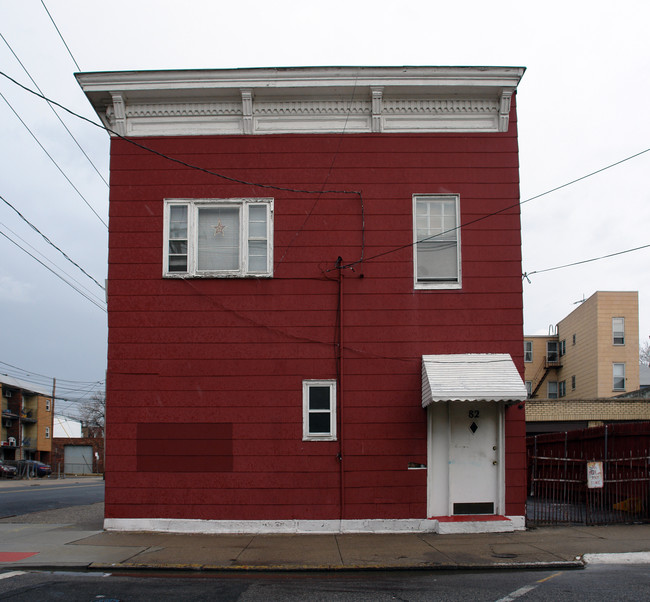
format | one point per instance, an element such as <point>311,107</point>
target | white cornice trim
<point>304,100</point>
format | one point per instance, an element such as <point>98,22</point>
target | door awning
<point>471,377</point>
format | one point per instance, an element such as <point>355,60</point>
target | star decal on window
<point>219,228</point>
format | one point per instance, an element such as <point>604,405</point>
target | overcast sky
<point>582,105</point>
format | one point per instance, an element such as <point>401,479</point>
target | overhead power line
<point>49,242</point>
<point>61,36</point>
<point>525,275</point>
<point>55,267</point>
<point>83,198</point>
<point>55,113</point>
<point>85,295</point>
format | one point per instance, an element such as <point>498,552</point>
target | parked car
<point>7,471</point>
<point>41,469</point>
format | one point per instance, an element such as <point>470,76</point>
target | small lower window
<point>552,389</point>
<point>619,377</point>
<point>319,410</point>
<point>47,432</point>
<point>561,388</point>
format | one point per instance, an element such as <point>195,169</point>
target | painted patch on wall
<point>184,447</point>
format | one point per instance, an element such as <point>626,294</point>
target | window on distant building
<point>551,390</point>
<point>552,351</point>
<point>574,339</point>
<point>618,331</point>
<point>619,377</point>
<point>562,347</point>
<point>47,432</point>
<point>528,351</point>
<point>48,405</point>
<point>529,387</point>
<point>319,410</point>
<point>573,383</point>
<point>217,238</point>
<point>437,241</point>
<point>561,388</point>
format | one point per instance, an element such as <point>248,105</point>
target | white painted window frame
<point>306,435</point>
<point>617,331</point>
<point>615,376</point>
<point>555,395</point>
<point>47,432</point>
<point>528,351</point>
<point>437,284</point>
<point>193,206</point>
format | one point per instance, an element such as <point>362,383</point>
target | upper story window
<point>618,331</point>
<point>529,387</point>
<point>552,351</point>
<point>437,241</point>
<point>562,347</point>
<point>47,432</point>
<point>528,351</point>
<point>217,238</point>
<point>48,405</point>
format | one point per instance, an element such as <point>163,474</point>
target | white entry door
<point>474,470</point>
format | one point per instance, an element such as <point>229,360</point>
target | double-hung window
<point>436,229</point>
<point>619,377</point>
<point>319,410</point>
<point>618,331</point>
<point>528,351</point>
<point>216,238</point>
<point>552,389</point>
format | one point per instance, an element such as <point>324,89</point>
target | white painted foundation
<point>164,525</point>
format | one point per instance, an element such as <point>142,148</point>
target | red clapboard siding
<point>203,353</point>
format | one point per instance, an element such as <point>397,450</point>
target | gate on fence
<point>596,476</point>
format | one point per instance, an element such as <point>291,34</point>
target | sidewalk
<point>69,545</point>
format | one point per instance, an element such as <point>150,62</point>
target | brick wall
<point>58,452</point>
<point>554,410</point>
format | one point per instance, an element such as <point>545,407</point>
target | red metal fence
<point>595,476</point>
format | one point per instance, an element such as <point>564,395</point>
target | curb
<point>269,568</point>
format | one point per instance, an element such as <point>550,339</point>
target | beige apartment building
<point>27,425</point>
<point>593,353</point>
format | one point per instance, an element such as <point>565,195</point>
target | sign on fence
<point>594,475</point>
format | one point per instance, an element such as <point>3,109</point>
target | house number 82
<point>473,413</point>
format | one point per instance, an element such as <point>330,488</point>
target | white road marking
<point>11,574</point>
<point>522,591</point>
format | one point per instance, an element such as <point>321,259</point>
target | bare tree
<point>93,415</point>
<point>644,354</point>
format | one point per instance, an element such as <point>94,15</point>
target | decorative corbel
<point>377,104</point>
<point>504,110</point>
<point>247,109</point>
<point>119,113</point>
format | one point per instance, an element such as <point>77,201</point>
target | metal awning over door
<point>471,377</point>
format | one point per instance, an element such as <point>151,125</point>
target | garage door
<point>78,459</point>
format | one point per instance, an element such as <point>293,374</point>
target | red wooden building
<point>314,295</point>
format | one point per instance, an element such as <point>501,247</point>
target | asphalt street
<point>598,583</point>
<point>34,495</point>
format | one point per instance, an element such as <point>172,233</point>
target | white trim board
<point>177,525</point>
